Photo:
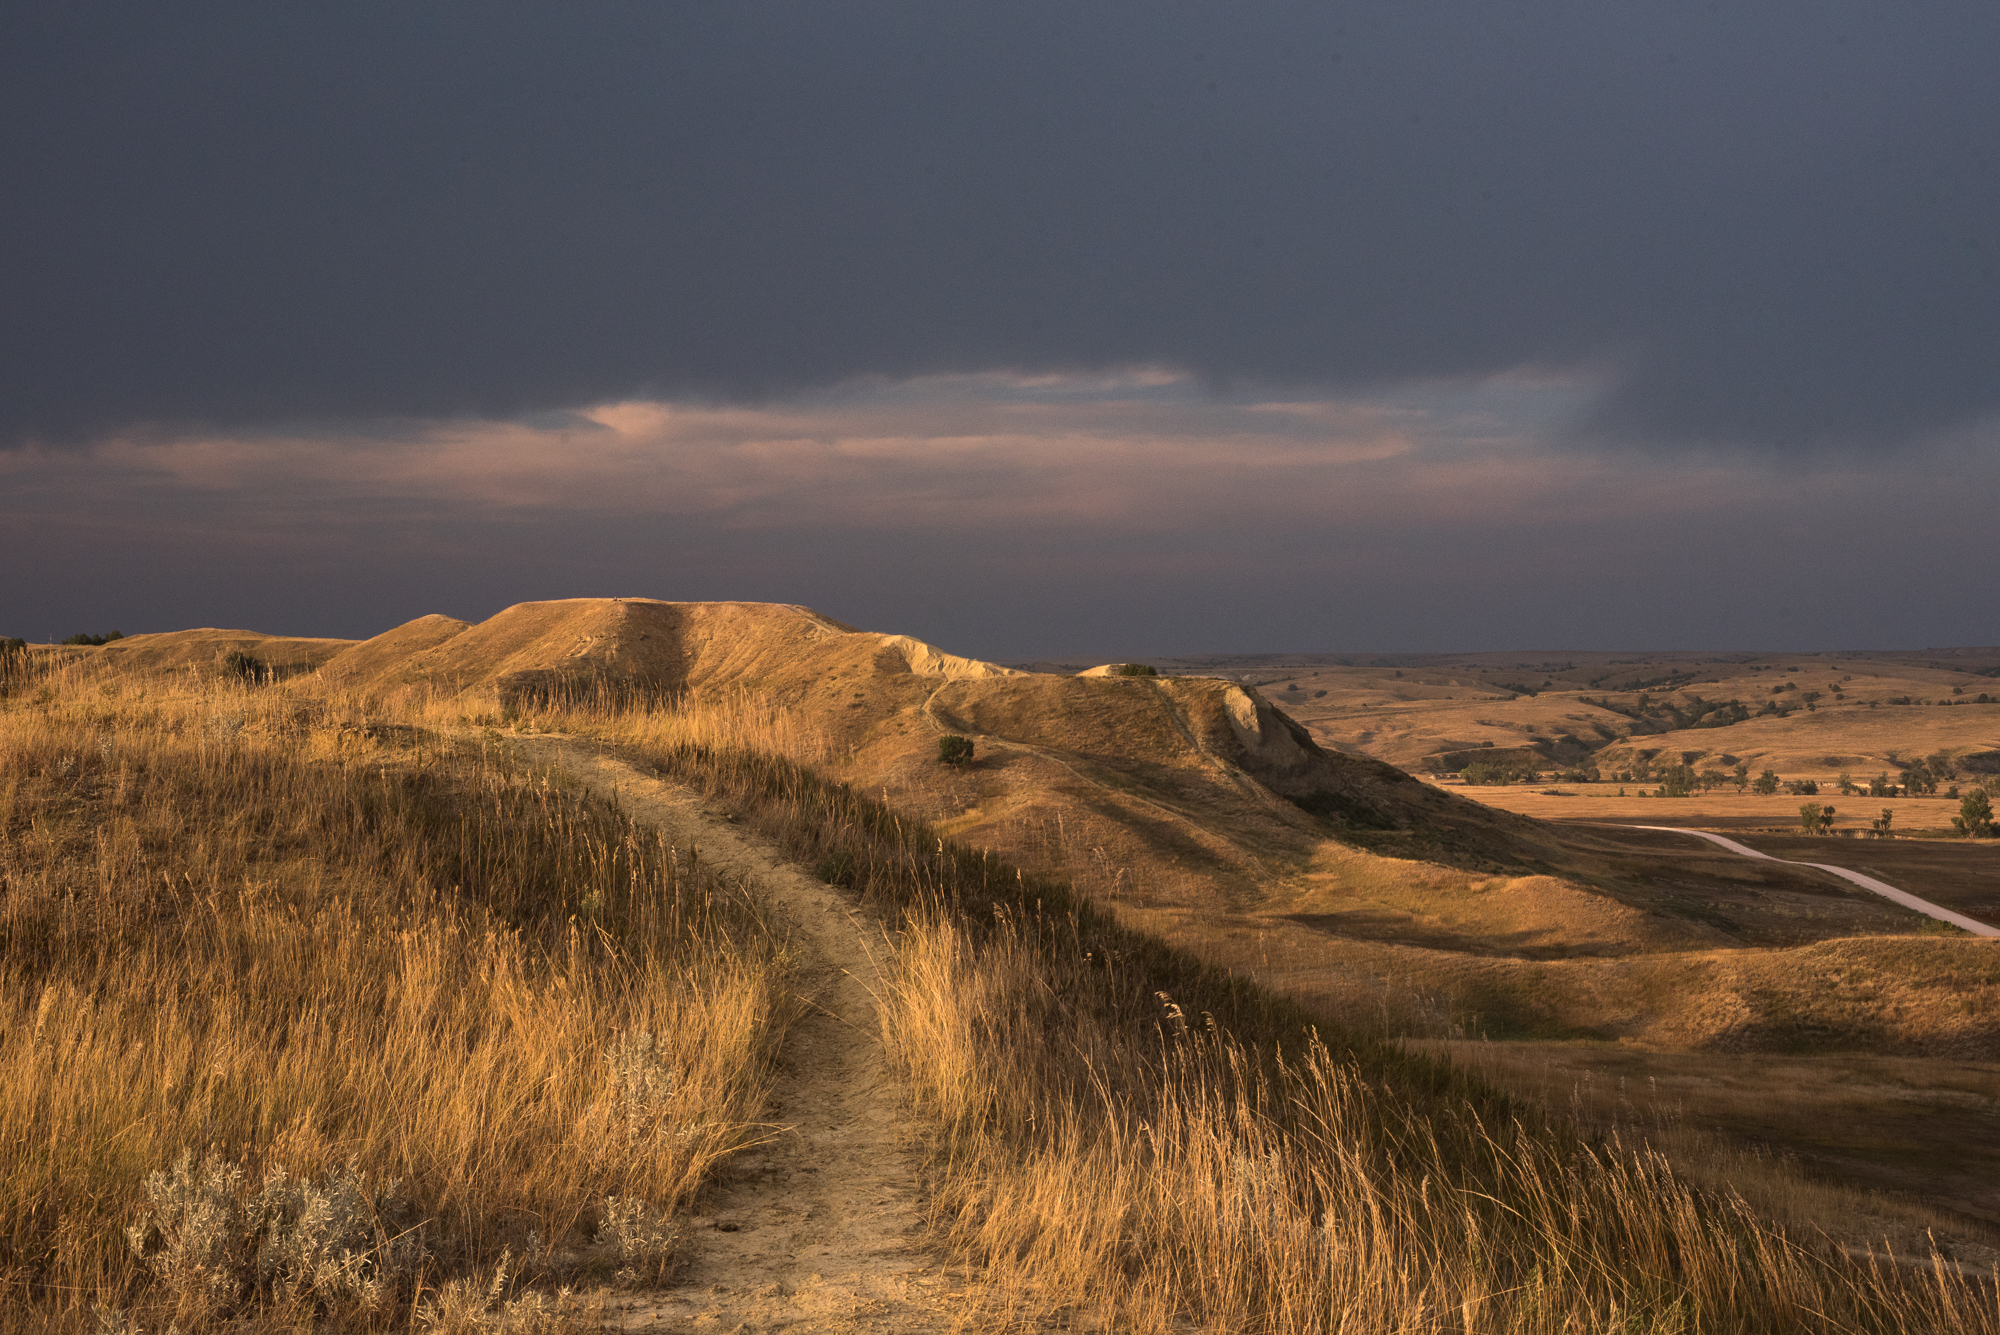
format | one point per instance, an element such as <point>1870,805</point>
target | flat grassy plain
<point>1928,858</point>
<point>1723,812</point>
<point>1961,874</point>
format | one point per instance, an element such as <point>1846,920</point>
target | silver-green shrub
<point>643,1079</point>
<point>213,1244</point>
<point>644,1244</point>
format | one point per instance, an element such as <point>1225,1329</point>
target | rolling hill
<point>1264,813</point>
<point>1809,715</point>
<point>1202,809</point>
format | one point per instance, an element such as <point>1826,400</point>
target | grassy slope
<point>226,932</point>
<point>1126,1129</point>
<point>1430,911</point>
<point>1475,924</point>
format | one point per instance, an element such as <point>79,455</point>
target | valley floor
<point>1718,810</point>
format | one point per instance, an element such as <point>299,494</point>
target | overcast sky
<point>1025,328</point>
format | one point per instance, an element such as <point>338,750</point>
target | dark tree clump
<point>236,663</point>
<point>1975,815</point>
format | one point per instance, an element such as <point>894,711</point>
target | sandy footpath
<point>818,1230</point>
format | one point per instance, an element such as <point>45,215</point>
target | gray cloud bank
<point>1765,224</point>
<point>1019,517</point>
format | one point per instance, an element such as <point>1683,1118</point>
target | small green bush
<point>955,750</point>
<point>85,637</point>
<point>1134,670</point>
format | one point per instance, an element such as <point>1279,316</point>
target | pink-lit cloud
<point>1133,512</point>
<point>1142,451</point>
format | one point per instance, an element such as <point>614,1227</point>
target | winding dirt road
<point>1866,882</point>
<point>819,1230</point>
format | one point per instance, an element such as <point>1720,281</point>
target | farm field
<point>1727,813</point>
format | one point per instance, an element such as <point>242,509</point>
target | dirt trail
<point>818,1230</point>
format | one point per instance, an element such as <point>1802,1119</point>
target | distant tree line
<point>1674,716</point>
<point>1672,681</point>
<point>1494,772</point>
<point>1491,773</point>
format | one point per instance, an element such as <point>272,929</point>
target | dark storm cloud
<point>1760,223</point>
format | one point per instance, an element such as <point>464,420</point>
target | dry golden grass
<point>720,722</point>
<point>1118,1137</point>
<point>1121,1130</point>
<point>1165,1177</point>
<point>231,930</point>
<point>1829,1142</point>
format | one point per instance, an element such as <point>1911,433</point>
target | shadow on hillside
<point>1408,930</point>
